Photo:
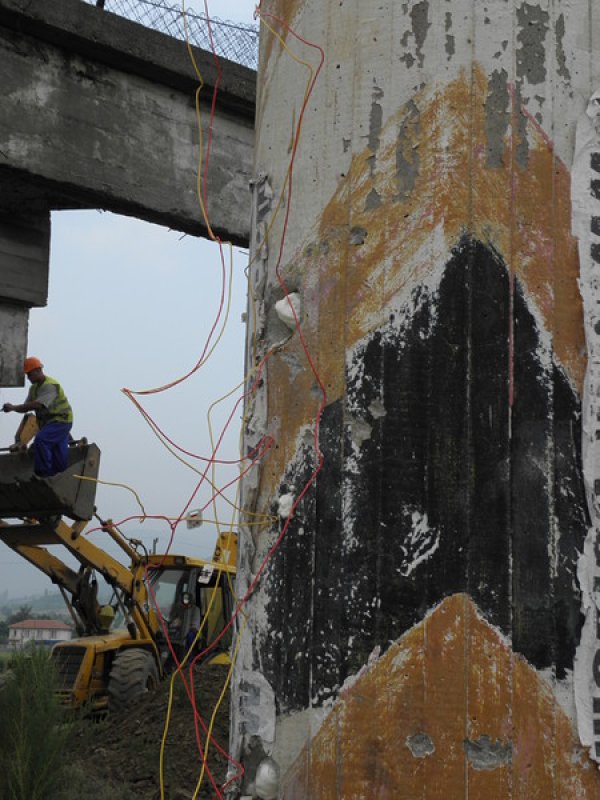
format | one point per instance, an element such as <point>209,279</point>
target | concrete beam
<point>14,321</point>
<point>24,256</point>
<point>98,112</point>
<point>24,259</point>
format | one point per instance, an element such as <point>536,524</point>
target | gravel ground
<point>124,749</point>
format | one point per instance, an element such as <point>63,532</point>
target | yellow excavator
<point>126,645</point>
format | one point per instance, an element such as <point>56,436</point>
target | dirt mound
<point>124,749</point>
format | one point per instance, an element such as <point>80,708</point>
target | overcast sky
<point>131,305</point>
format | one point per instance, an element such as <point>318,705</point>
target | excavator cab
<point>194,596</point>
<point>170,596</point>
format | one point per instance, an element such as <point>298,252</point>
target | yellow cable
<point>204,360</point>
<point>119,485</point>
<point>213,466</point>
<point>269,519</point>
<point>289,169</point>
<point>181,665</point>
<point>217,706</point>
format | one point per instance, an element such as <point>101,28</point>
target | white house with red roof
<point>38,632</point>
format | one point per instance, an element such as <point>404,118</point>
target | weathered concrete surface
<point>98,112</point>
<point>430,249</point>
<point>24,254</point>
<point>14,322</point>
<point>518,730</point>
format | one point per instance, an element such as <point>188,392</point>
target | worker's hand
<point>7,407</point>
<point>14,448</point>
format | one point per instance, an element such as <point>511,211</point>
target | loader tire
<point>133,674</point>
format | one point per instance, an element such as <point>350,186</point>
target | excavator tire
<point>133,673</point>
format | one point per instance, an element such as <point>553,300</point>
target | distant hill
<point>50,601</point>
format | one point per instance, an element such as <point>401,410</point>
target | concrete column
<point>24,264</point>
<point>415,632</point>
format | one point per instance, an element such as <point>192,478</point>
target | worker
<point>54,416</point>
<point>190,640</point>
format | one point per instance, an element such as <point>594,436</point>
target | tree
<point>23,612</point>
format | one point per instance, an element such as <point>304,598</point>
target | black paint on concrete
<point>449,491</point>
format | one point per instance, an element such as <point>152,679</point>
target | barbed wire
<point>233,40</point>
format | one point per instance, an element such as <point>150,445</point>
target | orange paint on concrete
<point>407,725</point>
<point>362,263</point>
<point>274,11</point>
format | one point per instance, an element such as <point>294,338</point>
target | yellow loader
<point>126,645</point>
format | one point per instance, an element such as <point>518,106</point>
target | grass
<point>35,734</point>
<point>5,659</point>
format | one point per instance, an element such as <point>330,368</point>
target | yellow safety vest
<point>60,410</point>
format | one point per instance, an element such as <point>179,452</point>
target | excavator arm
<point>31,514</point>
<point>31,539</point>
<point>58,572</point>
<point>111,666</point>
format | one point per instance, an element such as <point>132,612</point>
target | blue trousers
<point>51,449</point>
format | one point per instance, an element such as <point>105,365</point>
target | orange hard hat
<point>31,363</point>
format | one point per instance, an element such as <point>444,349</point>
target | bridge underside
<point>99,112</point>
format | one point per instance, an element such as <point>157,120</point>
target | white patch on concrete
<point>585,178</point>
<point>287,307</point>
<point>256,706</point>
<point>293,731</point>
<point>377,409</point>
<point>562,690</point>
<point>420,544</point>
<point>285,505</point>
<point>401,659</point>
<point>360,429</point>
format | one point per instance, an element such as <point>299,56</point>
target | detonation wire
<point>289,178</point>
<point>298,499</point>
<point>214,447</point>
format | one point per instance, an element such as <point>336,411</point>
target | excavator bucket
<point>70,493</point>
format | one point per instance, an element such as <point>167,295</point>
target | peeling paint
<point>533,24</point>
<point>419,14</point>
<point>586,226</point>
<point>522,141</point>
<point>497,117</point>
<point>420,745</point>
<point>561,57</point>
<point>358,236</point>
<point>373,200</point>
<point>257,706</point>
<point>408,59</point>
<point>375,120</point>
<point>407,156</point>
<point>485,754</point>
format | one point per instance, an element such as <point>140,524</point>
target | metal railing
<point>233,40</point>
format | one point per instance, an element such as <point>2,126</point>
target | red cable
<point>263,363</point>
